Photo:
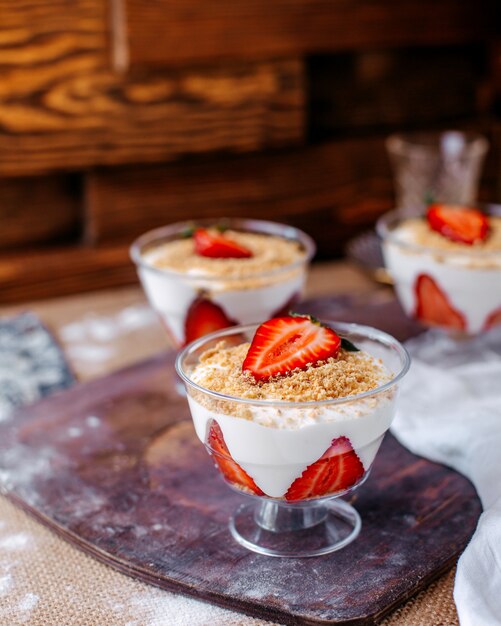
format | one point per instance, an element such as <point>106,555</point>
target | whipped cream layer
<point>269,428</point>
<point>275,457</point>
<point>171,296</point>
<point>470,278</point>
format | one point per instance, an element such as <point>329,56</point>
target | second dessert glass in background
<point>227,298</point>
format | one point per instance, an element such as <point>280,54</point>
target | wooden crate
<point>120,115</point>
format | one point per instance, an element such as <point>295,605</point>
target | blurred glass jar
<point>436,167</point>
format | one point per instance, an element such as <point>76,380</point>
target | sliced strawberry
<point>458,223</point>
<point>336,470</point>
<point>218,246</point>
<point>283,344</point>
<point>204,317</point>
<point>231,470</point>
<point>433,306</point>
<point>494,319</point>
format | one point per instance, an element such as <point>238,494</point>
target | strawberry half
<point>204,317</point>
<point>283,344</point>
<point>494,319</point>
<point>336,470</point>
<point>218,246</point>
<point>433,307</point>
<point>458,223</point>
<point>230,468</point>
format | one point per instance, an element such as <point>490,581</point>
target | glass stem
<point>277,517</point>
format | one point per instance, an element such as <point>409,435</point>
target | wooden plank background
<point>120,115</point>
<point>330,190</point>
<point>188,30</point>
<point>40,210</point>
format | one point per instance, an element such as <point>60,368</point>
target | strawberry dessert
<point>446,265</point>
<point>207,276</point>
<point>293,410</point>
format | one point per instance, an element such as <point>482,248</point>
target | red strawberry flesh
<point>228,467</point>
<point>338,469</point>
<point>204,317</point>
<point>284,344</point>
<point>494,319</point>
<point>433,306</point>
<point>458,223</point>
<point>217,246</point>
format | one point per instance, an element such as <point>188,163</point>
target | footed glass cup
<point>293,461</point>
<point>455,290</point>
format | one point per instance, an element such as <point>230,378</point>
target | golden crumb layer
<point>418,231</point>
<point>269,253</point>
<point>351,373</point>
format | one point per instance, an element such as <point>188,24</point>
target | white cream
<point>474,289</point>
<point>275,456</point>
<point>171,296</point>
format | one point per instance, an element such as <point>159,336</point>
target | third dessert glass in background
<point>446,265</point>
<point>205,275</point>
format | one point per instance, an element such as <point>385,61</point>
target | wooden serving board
<point>114,467</point>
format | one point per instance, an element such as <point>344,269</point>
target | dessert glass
<point>274,457</point>
<point>244,298</point>
<point>467,279</point>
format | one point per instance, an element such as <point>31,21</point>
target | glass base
<point>295,530</point>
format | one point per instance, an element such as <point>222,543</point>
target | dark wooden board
<point>114,467</point>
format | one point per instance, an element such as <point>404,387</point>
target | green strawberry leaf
<point>348,346</point>
<point>187,233</point>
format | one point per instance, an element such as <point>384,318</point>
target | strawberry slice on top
<point>218,246</point>
<point>284,344</point>
<point>338,469</point>
<point>458,223</point>
<point>204,317</point>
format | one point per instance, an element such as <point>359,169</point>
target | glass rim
<point>266,227</point>
<point>384,232</point>
<point>408,144</point>
<point>343,327</point>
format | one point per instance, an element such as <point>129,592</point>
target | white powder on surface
<point>5,583</point>
<point>14,542</point>
<point>97,344</point>
<point>92,421</point>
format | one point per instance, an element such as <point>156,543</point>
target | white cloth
<point>450,412</point>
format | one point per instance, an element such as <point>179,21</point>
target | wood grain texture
<point>62,107</point>
<point>179,31</point>
<point>134,487</point>
<point>45,273</point>
<point>36,211</point>
<point>331,191</point>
